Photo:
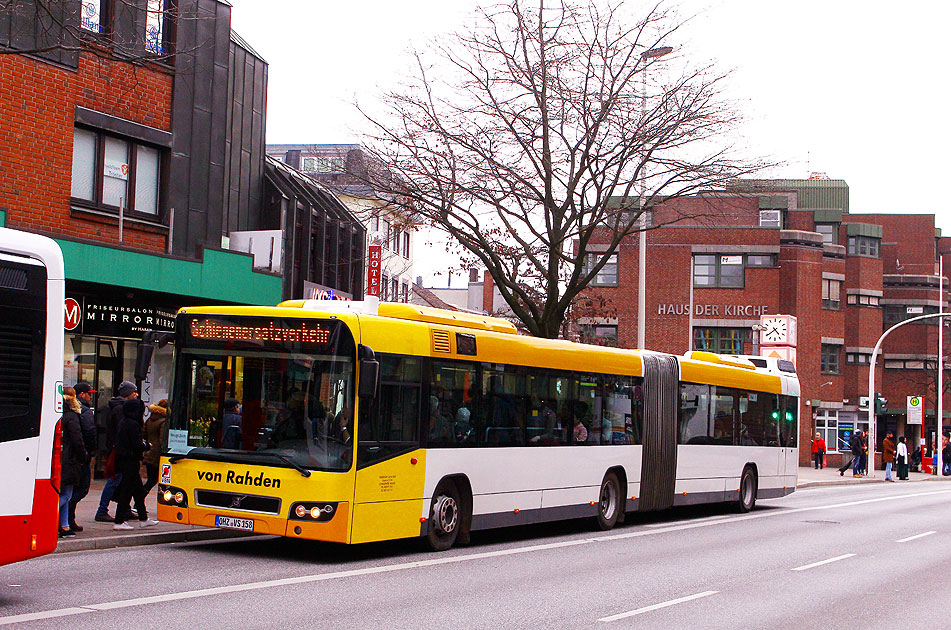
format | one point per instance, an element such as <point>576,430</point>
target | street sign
<point>914,410</point>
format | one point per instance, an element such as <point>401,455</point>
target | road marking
<point>822,562</point>
<point>673,602</point>
<point>916,536</point>
<point>320,577</point>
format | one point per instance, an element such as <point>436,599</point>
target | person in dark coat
<point>154,427</point>
<point>127,390</point>
<point>231,424</point>
<point>87,422</point>
<point>73,457</point>
<point>857,444</point>
<point>129,447</point>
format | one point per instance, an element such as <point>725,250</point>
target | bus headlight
<point>179,497</point>
<point>315,512</point>
<point>301,511</point>
<point>167,495</point>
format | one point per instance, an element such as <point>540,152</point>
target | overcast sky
<point>853,89</point>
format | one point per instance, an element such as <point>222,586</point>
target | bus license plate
<point>229,522</point>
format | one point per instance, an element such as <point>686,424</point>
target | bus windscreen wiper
<point>287,460</point>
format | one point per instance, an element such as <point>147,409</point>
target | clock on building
<point>778,330</point>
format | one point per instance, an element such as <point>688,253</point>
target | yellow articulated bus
<point>363,421</point>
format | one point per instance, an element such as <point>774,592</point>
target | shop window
<point>831,290</point>
<point>864,246</point>
<point>829,361</point>
<point>110,172</point>
<point>827,426</point>
<point>607,277</point>
<point>719,340</point>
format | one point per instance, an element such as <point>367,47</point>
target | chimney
<point>488,293</point>
<point>419,281</point>
<point>473,275</point>
<point>292,158</point>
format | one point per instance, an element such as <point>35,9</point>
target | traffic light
<point>880,403</point>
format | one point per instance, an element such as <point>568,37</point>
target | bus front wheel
<point>445,518</point>
<point>609,501</point>
<point>747,491</point>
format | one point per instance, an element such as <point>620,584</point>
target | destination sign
<point>302,332</point>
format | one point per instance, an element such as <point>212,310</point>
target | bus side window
<point>724,410</point>
<point>695,414</point>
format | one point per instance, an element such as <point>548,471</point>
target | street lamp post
<point>871,384</point>
<point>653,53</point>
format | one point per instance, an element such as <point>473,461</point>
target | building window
<point>829,231</point>
<point>109,172</point>
<point>155,27</point>
<point>599,334</point>
<point>395,245</point>
<point>863,300</point>
<point>720,340</point>
<point>405,296</point>
<point>395,289</point>
<point>771,218</point>
<point>715,270</point>
<point>91,16</point>
<point>830,358</point>
<point>902,364</point>
<point>830,294</point>
<point>322,164</point>
<point>760,260</point>
<point>406,244</point>
<point>857,358</point>
<point>385,287</point>
<point>385,234</point>
<point>375,223</point>
<point>894,313</point>
<point>864,246</point>
<point>827,426</point>
<point>607,277</point>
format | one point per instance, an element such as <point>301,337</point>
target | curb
<point>152,538</point>
<point>854,482</point>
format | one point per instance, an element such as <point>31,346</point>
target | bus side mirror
<point>369,378</point>
<point>143,361</point>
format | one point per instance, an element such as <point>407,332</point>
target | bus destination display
<point>266,332</point>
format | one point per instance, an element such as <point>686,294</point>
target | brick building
<point>134,136</point>
<point>716,264</point>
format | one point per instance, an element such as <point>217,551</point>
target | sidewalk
<point>829,476</point>
<point>97,535</point>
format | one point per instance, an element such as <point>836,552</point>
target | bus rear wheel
<point>609,501</point>
<point>747,491</point>
<point>445,518</point>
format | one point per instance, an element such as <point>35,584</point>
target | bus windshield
<point>263,390</point>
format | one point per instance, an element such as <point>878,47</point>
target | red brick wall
<point>36,138</point>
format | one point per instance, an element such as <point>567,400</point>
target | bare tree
<point>535,131</point>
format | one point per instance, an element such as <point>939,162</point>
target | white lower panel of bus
<point>19,459</point>
<point>564,480</point>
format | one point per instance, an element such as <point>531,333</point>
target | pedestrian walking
<point>945,456</point>
<point>129,447</point>
<point>153,435</point>
<point>856,446</point>
<point>87,423</point>
<point>819,451</point>
<point>73,457</point>
<point>127,390</point>
<point>888,454</point>
<point>901,458</point>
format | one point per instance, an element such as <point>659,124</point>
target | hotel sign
<point>714,311</point>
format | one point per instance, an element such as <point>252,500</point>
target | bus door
<point>391,467</point>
